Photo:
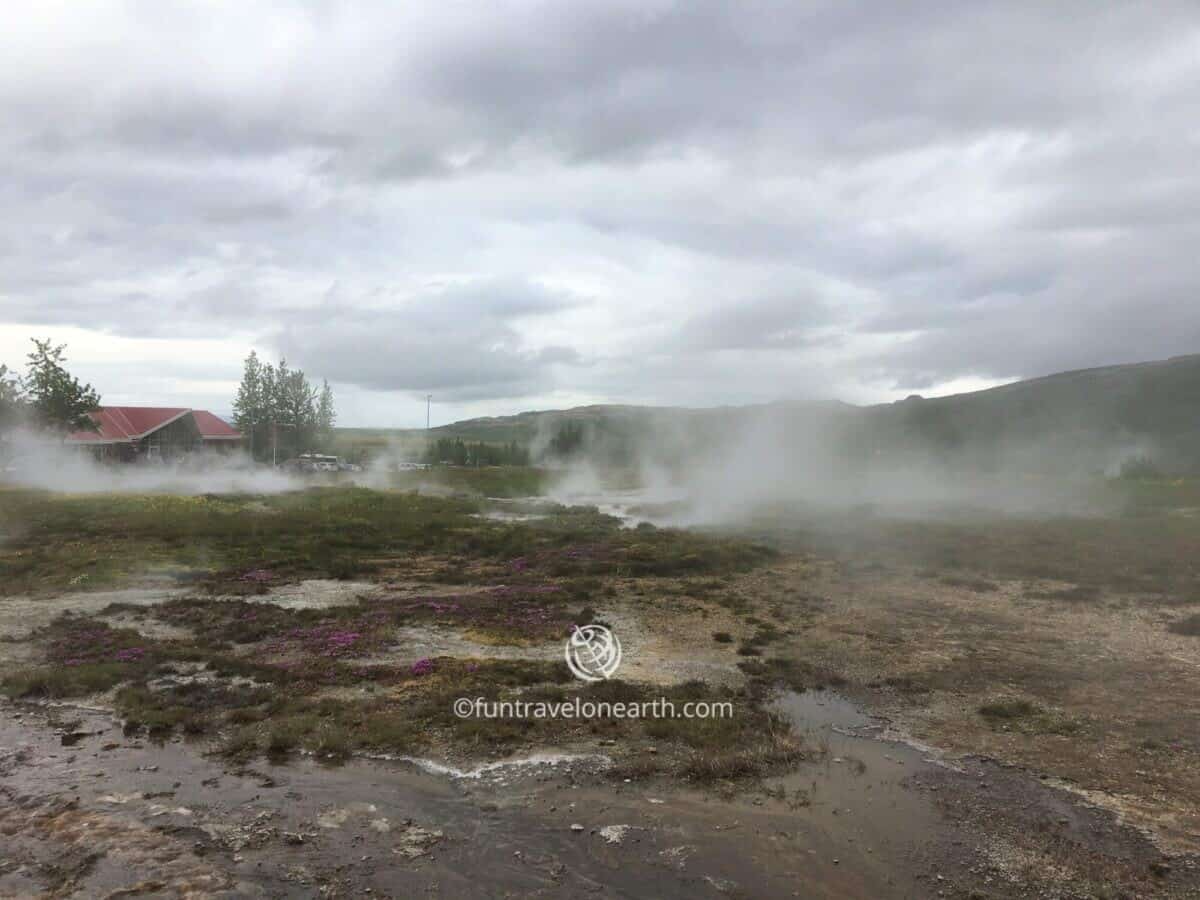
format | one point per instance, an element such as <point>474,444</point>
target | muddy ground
<point>90,812</point>
<point>907,729</point>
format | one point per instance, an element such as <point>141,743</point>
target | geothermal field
<point>251,693</point>
<point>567,449</point>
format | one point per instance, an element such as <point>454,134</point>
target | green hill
<point>1087,418</point>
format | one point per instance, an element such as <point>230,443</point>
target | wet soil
<point>87,811</point>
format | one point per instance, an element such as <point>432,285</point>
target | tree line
<point>280,412</point>
<point>47,397</point>
<point>457,452</point>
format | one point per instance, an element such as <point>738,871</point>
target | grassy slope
<point>1155,403</point>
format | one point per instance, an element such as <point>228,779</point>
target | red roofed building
<point>154,432</point>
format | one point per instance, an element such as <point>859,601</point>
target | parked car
<point>315,462</point>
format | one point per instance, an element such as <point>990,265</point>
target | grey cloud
<point>902,194</point>
<point>783,322</point>
<point>461,342</point>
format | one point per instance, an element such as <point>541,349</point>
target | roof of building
<point>214,428</point>
<point>123,424</point>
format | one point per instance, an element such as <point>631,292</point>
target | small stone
<point>576,827</point>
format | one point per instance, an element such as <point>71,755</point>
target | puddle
<point>859,820</point>
<point>858,783</point>
<point>550,827</point>
<point>822,712</point>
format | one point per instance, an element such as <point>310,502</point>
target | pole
<point>428,400</point>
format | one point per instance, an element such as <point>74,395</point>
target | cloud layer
<point>522,204</point>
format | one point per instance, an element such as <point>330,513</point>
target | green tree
<point>295,408</point>
<point>57,400</point>
<point>250,412</point>
<point>326,413</point>
<point>12,398</point>
<point>568,442</point>
<point>270,411</point>
<point>280,411</point>
<point>12,408</point>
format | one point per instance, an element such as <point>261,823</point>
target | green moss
<point>54,682</point>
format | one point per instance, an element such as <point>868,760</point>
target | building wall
<point>224,447</point>
<point>170,441</point>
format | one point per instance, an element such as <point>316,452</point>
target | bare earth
<point>907,789</point>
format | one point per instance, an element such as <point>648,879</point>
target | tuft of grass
<point>1008,709</point>
<point>775,750</point>
<point>722,637</point>
<point>242,744</point>
<point>157,714</point>
<point>979,585</point>
<point>55,682</point>
<point>1028,718</point>
<point>768,674</point>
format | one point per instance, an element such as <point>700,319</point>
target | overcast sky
<point>530,205</point>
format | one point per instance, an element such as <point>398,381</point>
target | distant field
<point>359,443</point>
<point>410,443</point>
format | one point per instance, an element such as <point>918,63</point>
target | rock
<point>614,834</point>
<point>576,827</point>
<point>415,841</point>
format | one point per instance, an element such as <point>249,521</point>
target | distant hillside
<point>1086,416</point>
<point>1149,407</point>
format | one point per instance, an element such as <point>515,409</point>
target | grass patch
<point>1143,554</point>
<point>246,543</point>
<point>775,672</point>
<point>979,585</point>
<point>1027,718</point>
<point>1008,709</point>
<point>56,682</point>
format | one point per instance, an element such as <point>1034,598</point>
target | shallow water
<point>863,817</point>
<point>505,830</point>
